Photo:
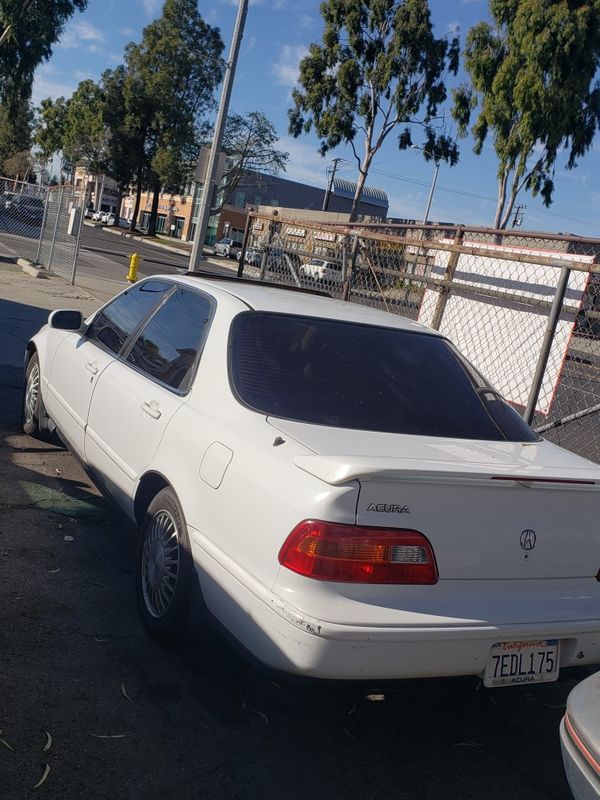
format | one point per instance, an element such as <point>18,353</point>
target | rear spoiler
<point>337,470</point>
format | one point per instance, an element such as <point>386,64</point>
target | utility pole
<point>519,216</point>
<point>332,171</point>
<point>210,179</point>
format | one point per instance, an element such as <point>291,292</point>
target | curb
<point>144,240</point>
<point>30,269</point>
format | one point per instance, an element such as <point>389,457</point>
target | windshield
<point>364,377</point>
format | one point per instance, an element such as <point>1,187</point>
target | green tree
<point>379,67</point>
<point>120,151</point>
<point>28,29</point>
<point>16,121</point>
<point>50,126</point>
<point>19,165</point>
<point>85,132</point>
<point>170,83</point>
<point>249,142</point>
<point>533,82</point>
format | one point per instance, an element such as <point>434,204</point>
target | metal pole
<point>210,179</point>
<point>58,213</point>
<point>76,254</point>
<point>431,191</point>
<point>41,239</point>
<point>542,363</point>
<point>240,271</point>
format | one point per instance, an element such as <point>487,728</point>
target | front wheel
<point>32,398</point>
<point>164,568</point>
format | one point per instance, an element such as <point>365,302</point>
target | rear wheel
<point>164,568</point>
<point>32,398</point>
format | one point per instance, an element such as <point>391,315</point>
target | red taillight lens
<point>329,551</point>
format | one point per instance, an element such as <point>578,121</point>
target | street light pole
<point>433,182</point>
<point>431,191</point>
<point>211,170</point>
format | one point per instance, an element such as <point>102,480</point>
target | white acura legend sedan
<point>352,497</point>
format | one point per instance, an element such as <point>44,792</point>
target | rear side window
<point>364,377</point>
<point>167,346</point>
<point>120,318</point>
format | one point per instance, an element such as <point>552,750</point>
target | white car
<point>354,500</point>
<point>580,739</point>
<point>325,271</point>
<point>226,247</point>
<point>97,216</point>
<point>108,218</point>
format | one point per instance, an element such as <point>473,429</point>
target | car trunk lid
<point>491,510</point>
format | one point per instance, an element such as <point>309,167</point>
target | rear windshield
<point>364,377</point>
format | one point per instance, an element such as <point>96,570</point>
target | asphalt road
<point>106,255</point>
<point>89,701</point>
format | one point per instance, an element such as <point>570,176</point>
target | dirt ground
<point>91,703</point>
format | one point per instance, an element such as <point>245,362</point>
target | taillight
<point>330,551</point>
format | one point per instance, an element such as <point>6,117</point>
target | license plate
<point>511,663</point>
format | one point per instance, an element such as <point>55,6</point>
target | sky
<point>277,35</point>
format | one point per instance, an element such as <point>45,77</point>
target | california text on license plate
<point>510,663</point>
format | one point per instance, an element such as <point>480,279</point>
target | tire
<point>31,405</point>
<point>163,591</point>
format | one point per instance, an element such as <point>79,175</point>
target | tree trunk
<point>360,185</point>
<point>501,198</point>
<point>154,209</point>
<point>136,206</point>
<point>509,207</point>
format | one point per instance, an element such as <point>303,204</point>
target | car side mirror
<point>66,320</point>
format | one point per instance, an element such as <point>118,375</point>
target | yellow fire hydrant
<point>134,263</point>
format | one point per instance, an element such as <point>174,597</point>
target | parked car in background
<point>97,216</point>
<point>323,271</point>
<point>253,256</point>
<point>349,497</point>
<point>226,247</point>
<point>580,739</point>
<point>26,208</point>
<point>108,218</point>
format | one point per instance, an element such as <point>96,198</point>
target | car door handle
<point>151,409</point>
<point>92,367</point>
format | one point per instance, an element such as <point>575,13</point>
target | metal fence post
<point>56,221</point>
<point>446,288</point>
<point>350,267</point>
<point>240,272</point>
<point>41,239</point>
<point>542,363</point>
<point>79,229</point>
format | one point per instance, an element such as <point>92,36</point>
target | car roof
<point>286,300</point>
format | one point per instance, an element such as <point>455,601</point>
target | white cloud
<point>79,33</point>
<point>127,31</point>
<point>305,164</point>
<point>151,7</point>
<point>81,75</point>
<point>49,83</point>
<point>286,70</point>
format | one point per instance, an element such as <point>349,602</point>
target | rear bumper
<point>284,638</point>
<point>584,783</point>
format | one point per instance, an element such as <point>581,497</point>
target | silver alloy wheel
<point>160,564</point>
<point>32,391</point>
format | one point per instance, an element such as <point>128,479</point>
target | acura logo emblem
<point>528,538</point>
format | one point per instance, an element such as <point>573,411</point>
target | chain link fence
<point>42,224</point>
<point>523,307</point>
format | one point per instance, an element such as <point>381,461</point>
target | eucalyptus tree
<point>379,69</point>
<point>533,85</point>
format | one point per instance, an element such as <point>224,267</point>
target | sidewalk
<point>25,303</point>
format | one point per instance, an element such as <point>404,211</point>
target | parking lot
<point>94,707</point>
